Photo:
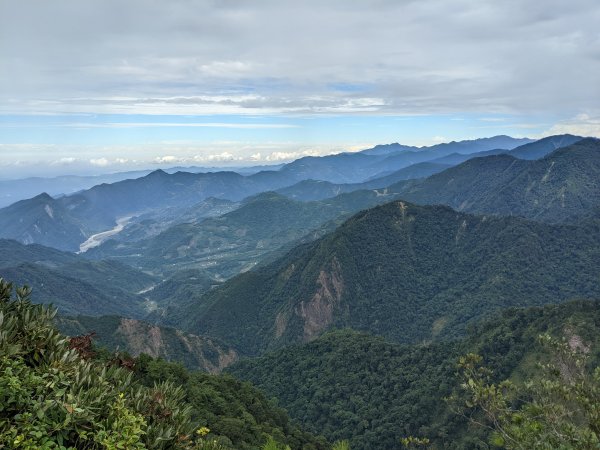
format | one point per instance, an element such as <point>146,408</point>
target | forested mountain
<point>66,222</point>
<point>354,386</point>
<point>352,290</point>
<point>237,241</point>
<point>316,190</point>
<point>12,191</point>
<point>564,186</point>
<point>410,273</point>
<point>542,147</point>
<point>75,285</point>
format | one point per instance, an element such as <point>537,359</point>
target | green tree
<point>559,409</point>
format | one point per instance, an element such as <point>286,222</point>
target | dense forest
<point>407,272</point>
<point>359,387</point>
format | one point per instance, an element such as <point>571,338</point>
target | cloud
<point>100,162</point>
<point>311,57</point>
<point>580,125</point>
<point>289,156</point>
<point>176,125</point>
<point>221,157</point>
<point>168,159</point>
<point>64,161</point>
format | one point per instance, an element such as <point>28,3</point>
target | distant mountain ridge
<point>563,186</point>
<point>76,217</point>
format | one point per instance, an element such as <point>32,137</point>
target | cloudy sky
<point>113,85</point>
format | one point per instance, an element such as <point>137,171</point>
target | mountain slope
<point>564,186</point>
<point>358,167</point>
<point>42,220</point>
<point>311,190</point>
<point>68,221</point>
<point>542,147</point>
<point>406,272</point>
<point>73,284</point>
<point>432,163</point>
<point>137,337</point>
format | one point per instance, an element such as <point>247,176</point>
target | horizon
<point>88,91</point>
<point>234,165</point>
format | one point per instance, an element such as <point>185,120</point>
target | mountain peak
<point>43,196</point>
<point>157,173</point>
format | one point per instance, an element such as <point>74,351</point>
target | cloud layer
<point>311,57</point>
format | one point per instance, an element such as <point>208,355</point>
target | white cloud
<point>581,125</point>
<point>64,161</point>
<point>173,124</point>
<point>168,159</point>
<point>100,162</point>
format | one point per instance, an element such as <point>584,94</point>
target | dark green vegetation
<point>237,241</point>
<point>73,284</point>
<point>236,411</point>
<point>556,409</point>
<point>61,394</point>
<point>410,273</point>
<point>137,337</point>
<point>359,387</point>
<point>564,186</point>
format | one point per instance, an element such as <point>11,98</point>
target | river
<point>97,239</point>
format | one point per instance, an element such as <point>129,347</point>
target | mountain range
<point>563,186</point>
<point>68,221</point>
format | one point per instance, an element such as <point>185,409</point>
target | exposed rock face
<point>141,338</point>
<point>199,352</point>
<point>317,312</point>
<point>137,337</point>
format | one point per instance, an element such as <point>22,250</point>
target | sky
<point>106,85</point>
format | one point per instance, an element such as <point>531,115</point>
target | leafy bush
<point>52,396</point>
